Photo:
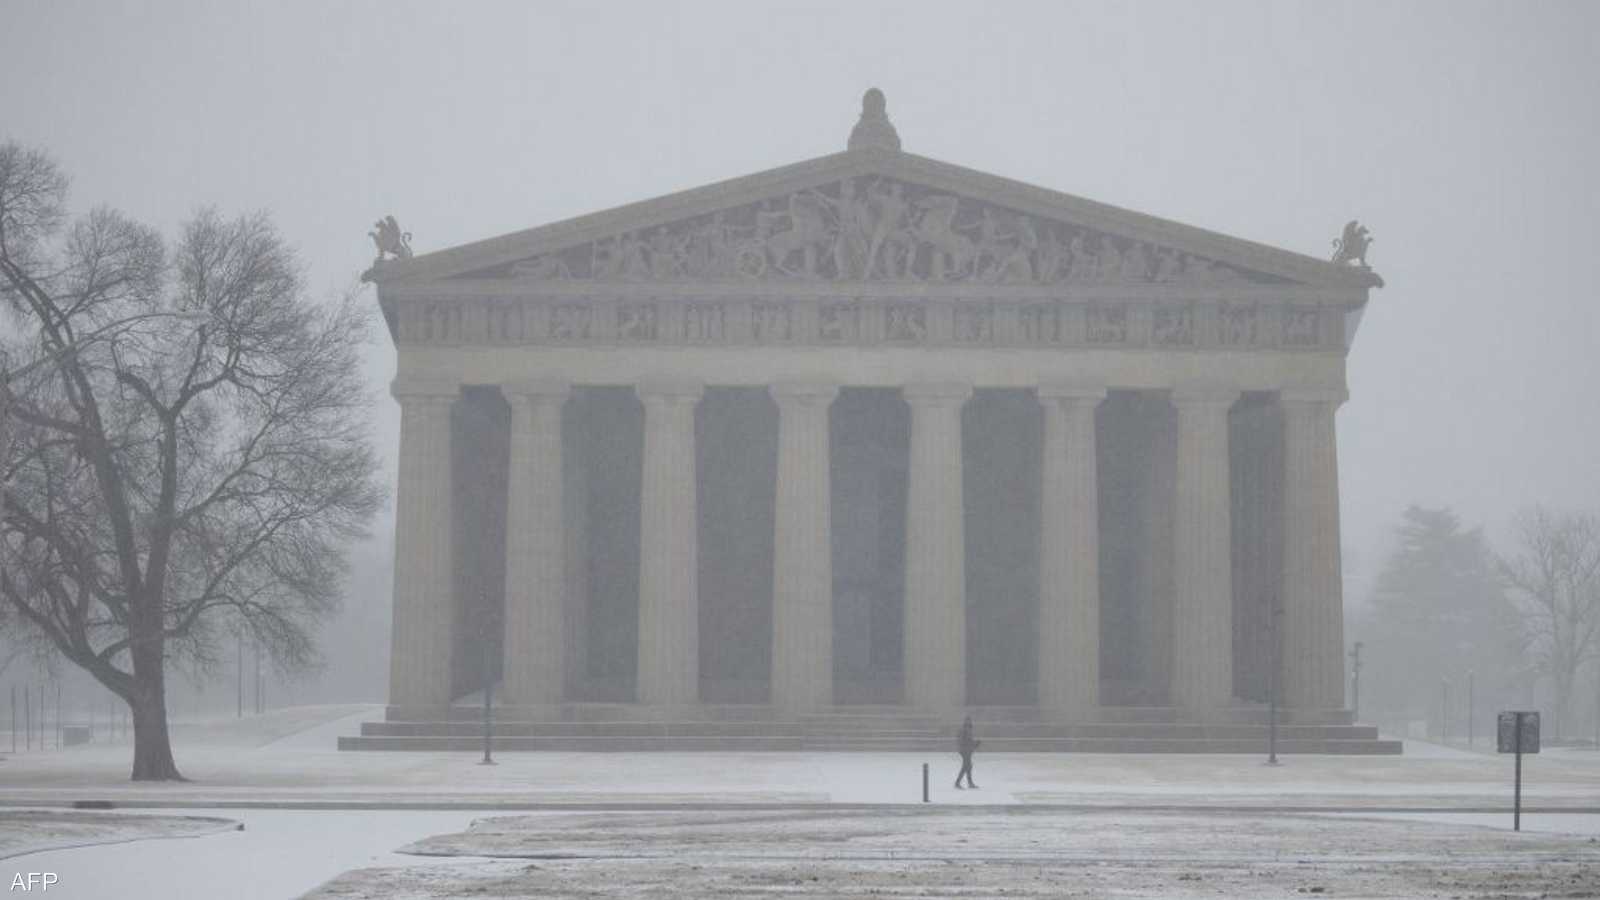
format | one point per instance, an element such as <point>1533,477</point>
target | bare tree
<point>188,448</point>
<point>1555,576</point>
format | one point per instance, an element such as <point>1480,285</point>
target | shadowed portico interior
<point>736,463</point>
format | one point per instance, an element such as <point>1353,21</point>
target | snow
<point>280,853</point>
<point>1042,825</point>
<point>933,851</point>
<point>264,761</point>
<point>27,831</point>
<point>284,853</point>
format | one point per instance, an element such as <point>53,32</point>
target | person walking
<point>965,745</point>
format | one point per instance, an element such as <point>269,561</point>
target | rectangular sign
<point>1508,732</point>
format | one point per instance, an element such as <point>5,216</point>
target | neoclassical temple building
<point>868,439</point>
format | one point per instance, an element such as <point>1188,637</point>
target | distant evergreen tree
<point>1439,610</point>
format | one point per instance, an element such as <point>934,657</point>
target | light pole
<point>239,665</point>
<point>1444,710</point>
<point>488,695</point>
<point>1470,686</point>
<point>1355,681</point>
<point>1272,689</point>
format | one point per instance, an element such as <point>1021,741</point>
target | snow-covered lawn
<point>284,853</point>
<point>25,831</point>
<point>949,851</point>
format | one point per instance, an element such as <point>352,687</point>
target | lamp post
<point>1355,681</point>
<point>1470,687</point>
<point>238,660</point>
<point>488,694</point>
<point>1444,710</point>
<point>1272,688</point>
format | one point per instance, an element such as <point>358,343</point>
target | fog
<point>1465,135</point>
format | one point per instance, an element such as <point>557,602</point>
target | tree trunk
<point>152,746</point>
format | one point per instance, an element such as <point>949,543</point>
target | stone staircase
<point>873,729</point>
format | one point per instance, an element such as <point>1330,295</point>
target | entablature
<point>1304,320</point>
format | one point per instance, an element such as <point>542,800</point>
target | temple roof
<point>872,213</point>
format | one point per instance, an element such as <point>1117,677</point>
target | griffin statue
<point>1352,246</point>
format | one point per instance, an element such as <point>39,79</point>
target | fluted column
<point>535,547</point>
<point>1202,613</point>
<point>575,493</point>
<point>936,583</point>
<point>1069,557</point>
<point>424,596</point>
<point>1313,605</point>
<point>669,589</point>
<point>802,570</point>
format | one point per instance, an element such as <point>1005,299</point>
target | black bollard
<point>924,782</point>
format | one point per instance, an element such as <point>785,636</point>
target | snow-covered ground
<point>285,853</point>
<point>1102,824</point>
<point>253,762</point>
<point>950,851</point>
<point>25,831</point>
<point>280,853</point>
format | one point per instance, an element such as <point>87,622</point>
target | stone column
<point>424,595</point>
<point>1202,603</point>
<point>802,565</point>
<point>1313,605</point>
<point>535,547</point>
<point>1069,556</point>
<point>669,589</point>
<point>936,582</point>
<point>575,494</point>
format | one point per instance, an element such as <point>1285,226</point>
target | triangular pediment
<point>873,216</point>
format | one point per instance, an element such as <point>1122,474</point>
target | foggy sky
<point>1465,135</point>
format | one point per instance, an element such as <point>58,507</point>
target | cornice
<point>977,186</point>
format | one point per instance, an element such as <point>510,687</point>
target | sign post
<point>1518,733</point>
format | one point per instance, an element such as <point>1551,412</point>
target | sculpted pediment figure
<point>875,214</point>
<point>873,228</point>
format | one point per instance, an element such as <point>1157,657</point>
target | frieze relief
<point>638,322</point>
<point>1173,326</point>
<point>906,323</point>
<point>873,229</point>
<point>870,321</point>
<point>1300,326</point>
<point>1108,325</point>
<point>705,323</point>
<point>1238,325</point>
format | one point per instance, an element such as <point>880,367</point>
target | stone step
<point>876,734</point>
<point>1115,745</point>
<point>463,711</point>
<point>583,729</point>
<point>1000,730</point>
<point>693,737</point>
<point>575,744</point>
<point>873,724</point>
<point>1238,715</point>
<point>876,727</point>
